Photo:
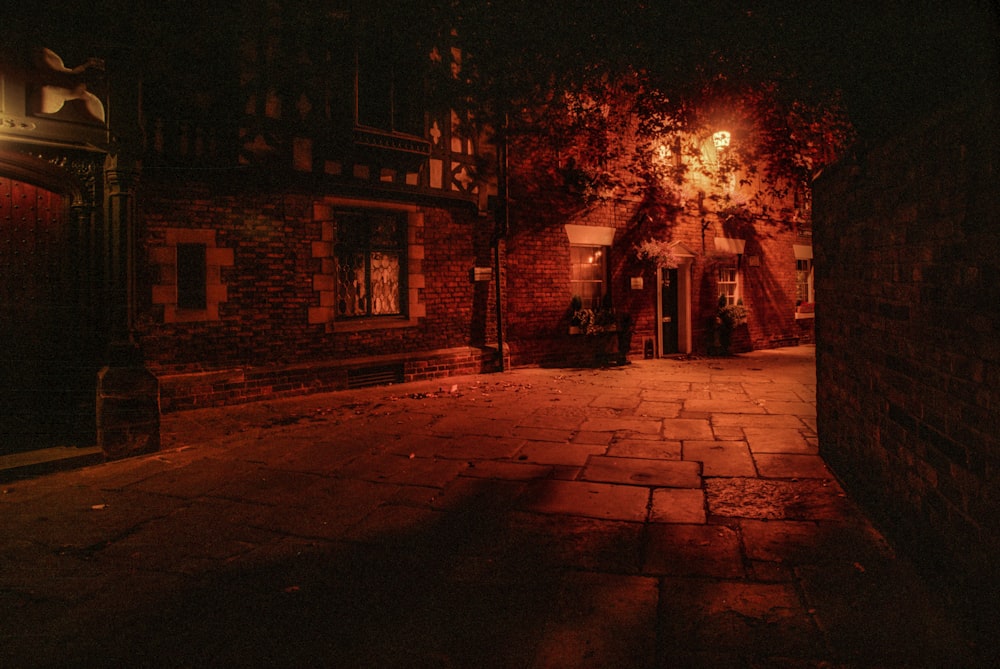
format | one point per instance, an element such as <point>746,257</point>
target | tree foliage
<point>591,91</point>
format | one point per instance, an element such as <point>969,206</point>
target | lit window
<point>370,255</point>
<point>728,284</point>
<point>804,292</point>
<point>589,274</point>
<point>805,295</point>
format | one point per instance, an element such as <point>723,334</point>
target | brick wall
<point>538,280</point>
<point>264,337</point>
<point>907,241</point>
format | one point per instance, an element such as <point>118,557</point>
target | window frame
<point>599,251</point>
<point>385,78</point>
<point>192,276</point>
<point>803,254</point>
<point>720,283</point>
<point>801,310</point>
<point>368,250</point>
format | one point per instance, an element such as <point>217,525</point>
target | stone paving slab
<point>623,425</point>
<point>687,428</point>
<point>405,526</point>
<point>648,449</point>
<point>783,465</point>
<point>654,409</point>
<point>793,408</point>
<point>808,499</point>
<point>551,453</point>
<point>542,434</point>
<point>615,400</point>
<point>498,469</point>
<point>721,458</point>
<point>432,446</point>
<point>593,438</point>
<point>778,440</point>
<point>743,618</point>
<point>693,550</point>
<point>561,541</point>
<point>744,420</point>
<point>458,425</point>
<point>638,471</point>
<point>678,505</point>
<point>603,621</point>
<point>586,498</point>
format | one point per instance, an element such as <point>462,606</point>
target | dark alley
<point>668,513</point>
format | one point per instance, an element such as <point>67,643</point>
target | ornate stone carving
<point>17,124</point>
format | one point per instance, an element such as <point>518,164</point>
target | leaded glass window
<point>370,255</point>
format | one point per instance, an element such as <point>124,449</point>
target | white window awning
<point>802,252</point>
<point>728,245</point>
<point>590,235</point>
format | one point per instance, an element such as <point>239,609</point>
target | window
<point>390,90</point>
<point>370,254</point>
<point>805,294</point>
<point>191,276</point>
<point>589,274</point>
<point>728,284</point>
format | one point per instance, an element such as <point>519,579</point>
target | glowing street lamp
<point>720,139</point>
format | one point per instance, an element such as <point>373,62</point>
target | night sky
<point>893,60</point>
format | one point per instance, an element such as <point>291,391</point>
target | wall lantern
<point>721,139</point>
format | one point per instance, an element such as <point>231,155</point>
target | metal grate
<point>374,376</point>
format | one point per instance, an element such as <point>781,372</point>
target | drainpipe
<point>502,223</point>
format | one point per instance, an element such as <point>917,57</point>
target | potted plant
<point>579,318</point>
<point>727,318</point>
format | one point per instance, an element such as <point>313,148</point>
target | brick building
<point>279,204</point>
<point>728,238</point>
<point>326,234</point>
<point>270,202</point>
<point>908,361</point>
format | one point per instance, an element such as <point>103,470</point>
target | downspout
<point>502,223</point>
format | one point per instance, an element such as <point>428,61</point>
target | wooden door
<point>46,379</point>
<point>668,311</point>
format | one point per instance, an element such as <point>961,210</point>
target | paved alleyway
<point>670,513</point>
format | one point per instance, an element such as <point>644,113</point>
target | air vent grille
<point>374,376</point>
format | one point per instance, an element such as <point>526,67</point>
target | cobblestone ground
<point>667,513</point>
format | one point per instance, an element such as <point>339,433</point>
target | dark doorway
<point>668,310</point>
<point>47,370</point>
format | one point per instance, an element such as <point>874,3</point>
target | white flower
<point>659,251</point>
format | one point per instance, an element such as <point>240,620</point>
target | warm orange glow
<point>721,139</point>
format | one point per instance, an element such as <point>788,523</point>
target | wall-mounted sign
<point>482,273</point>
<point>636,283</point>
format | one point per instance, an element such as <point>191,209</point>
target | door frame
<point>685,258</point>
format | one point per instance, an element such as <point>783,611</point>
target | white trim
<point>590,235</point>
<point>729,245</point>
<point>682,251</point>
